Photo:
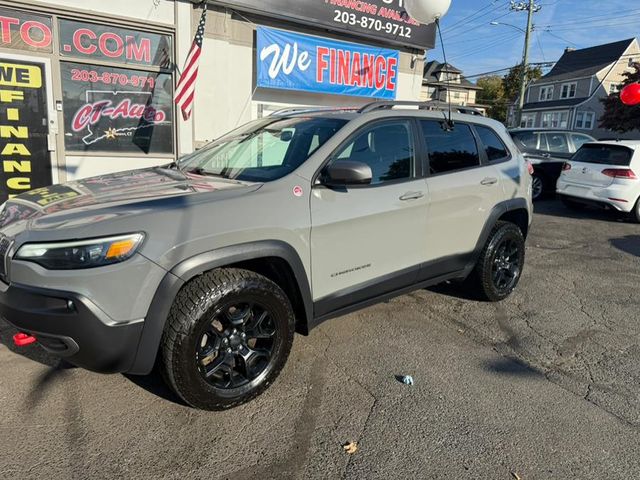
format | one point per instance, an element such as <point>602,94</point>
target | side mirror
<point>342,173</point>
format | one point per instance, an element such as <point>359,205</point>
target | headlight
<point>81,254</point>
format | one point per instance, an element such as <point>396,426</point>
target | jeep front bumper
<point>71,326</point>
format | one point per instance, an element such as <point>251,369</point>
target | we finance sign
<point>292,61</point>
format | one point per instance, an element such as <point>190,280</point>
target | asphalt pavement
<point>543,385</point>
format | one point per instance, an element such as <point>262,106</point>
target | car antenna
<point>448,121</point>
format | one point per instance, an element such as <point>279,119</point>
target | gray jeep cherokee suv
<point>207,266</point>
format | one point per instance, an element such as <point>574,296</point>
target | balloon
<point>630,95</point>
<point>427,11</point>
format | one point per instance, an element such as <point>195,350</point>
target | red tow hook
<point>23,339</point>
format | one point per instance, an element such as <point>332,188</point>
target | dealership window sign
<point>292,61</point>
<point>108,109</point>
<point>25,31</point>
<point>23,128</point>
<point>101,42</point>
<point>382,20</point>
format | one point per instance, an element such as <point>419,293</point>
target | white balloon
<point>427,11</point>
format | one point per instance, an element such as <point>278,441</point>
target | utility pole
<point>532,8</point>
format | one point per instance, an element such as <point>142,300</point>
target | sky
<point>475,46</point>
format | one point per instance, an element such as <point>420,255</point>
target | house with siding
<point>568,97</point>
<point>445,83</point>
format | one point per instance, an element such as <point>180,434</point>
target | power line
<point>470,18</point>
<point>490,45</point>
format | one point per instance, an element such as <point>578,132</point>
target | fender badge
<point>297,191</point>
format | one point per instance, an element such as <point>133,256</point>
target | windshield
<point>604,154</point>
<point>264,150</point>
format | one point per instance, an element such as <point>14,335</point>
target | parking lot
<point>543,385</point>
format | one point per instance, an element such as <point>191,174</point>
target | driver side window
<point>387,148</point>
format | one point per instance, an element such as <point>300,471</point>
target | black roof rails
<point>433,105</point>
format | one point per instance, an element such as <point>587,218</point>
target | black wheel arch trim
<point>199,264</point>
<point>497,212</point>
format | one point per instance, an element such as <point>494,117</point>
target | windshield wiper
<point>202,171</point>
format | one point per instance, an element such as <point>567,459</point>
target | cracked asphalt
<point>543,385</point>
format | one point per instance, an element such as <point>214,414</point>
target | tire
<point>635,214</point>
<point>493,260</point>
<point>538,187</point>
<point>572,204</point>
<point>228,335</point>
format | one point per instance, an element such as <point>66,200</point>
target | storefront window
<point>112,44</point>
<point>25,31</point>
<point>109,109</point>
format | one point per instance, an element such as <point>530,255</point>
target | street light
<point>532,8</point>
<point>509,25</point>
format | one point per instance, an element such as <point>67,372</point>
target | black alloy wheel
<point>500,264</point>
<point>506,265</point>
<point>228,335</point>
<point>237,345</point>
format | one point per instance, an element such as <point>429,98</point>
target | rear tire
<point>635,214</point>
<point>538,187</point>
<point>228,335</point>
<point>499,267</point>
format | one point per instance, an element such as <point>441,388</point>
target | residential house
<point>444,83</point>
<point>568,97</point>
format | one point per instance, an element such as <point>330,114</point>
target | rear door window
<point>616,155</point>
<point>493,146</point>
<point>557,142</point>
<point>449,150</point>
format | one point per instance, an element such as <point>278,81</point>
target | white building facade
<point>86,86</point>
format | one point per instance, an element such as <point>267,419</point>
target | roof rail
<point>432,105</point>
<point>293,110</point>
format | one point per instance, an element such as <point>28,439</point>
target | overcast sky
<point>474,46</point>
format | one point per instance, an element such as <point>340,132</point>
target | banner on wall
<point>293,61</point>
<point>380,20</point>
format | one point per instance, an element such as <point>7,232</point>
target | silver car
<point>210,264</point>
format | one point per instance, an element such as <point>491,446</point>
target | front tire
<point>228,335</point>
<point>500,264</point>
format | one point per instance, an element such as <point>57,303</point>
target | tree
<point>512,80</point>
<point>617,116</point>
<point>492,95</point>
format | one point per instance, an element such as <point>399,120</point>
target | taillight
<point>619,173</point>
<point>566,166</point>
<point>530,168</point>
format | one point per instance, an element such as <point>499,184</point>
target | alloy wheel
<point>237,345</point>
<point>506,265</point>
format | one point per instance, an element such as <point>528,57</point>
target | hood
<point>111,190</point>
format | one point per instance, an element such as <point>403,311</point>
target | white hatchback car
<point>603,174</point>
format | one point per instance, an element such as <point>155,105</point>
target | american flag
<point>186,88</point>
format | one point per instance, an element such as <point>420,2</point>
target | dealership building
<point>87,86</point>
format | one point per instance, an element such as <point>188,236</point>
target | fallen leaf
<point>351,447</point>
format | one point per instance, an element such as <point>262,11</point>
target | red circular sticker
<point>297,191</point>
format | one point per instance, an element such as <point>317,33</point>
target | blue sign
<point>292,61</point>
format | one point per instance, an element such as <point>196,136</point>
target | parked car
<point>210,264</point>
<point>603,174</point>
<point>547,150</point>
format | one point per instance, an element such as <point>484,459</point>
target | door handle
<point>489,181</point>
<point>411,196</point>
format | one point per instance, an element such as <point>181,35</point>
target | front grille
<point>5,244</point>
